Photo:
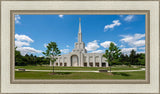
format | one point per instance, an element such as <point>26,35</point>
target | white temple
<point>79,56</point>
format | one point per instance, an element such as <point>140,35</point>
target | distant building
<point>79,56</point>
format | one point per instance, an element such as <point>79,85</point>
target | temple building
<point>79,56</point>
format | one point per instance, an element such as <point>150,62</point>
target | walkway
<point>142,69</point>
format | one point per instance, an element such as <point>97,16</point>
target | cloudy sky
<point>33,32</point>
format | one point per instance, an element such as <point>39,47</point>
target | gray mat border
<point>85,81</point>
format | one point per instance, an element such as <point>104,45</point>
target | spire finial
<point>79,33</point>
<point>79,25</point>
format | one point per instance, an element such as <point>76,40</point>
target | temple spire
<point>79,33</point>
<point>79,25</point>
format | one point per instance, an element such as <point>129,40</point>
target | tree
<point>51,52</point>
<point>127,60</point>
<point>141,59</point>
<point>133,57</point>
<point>29,59</point>
<point>112,53</point>
<point>18,58</point>
<point>122,59</point>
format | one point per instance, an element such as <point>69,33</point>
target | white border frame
<point>153,87</point>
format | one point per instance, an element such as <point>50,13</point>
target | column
<point>50,63</point>
<point>69,61</point>
<point>88,61</point>
<point>94,60</point>
<point>100,61</point>
<point>106,64</point>
<point>58,61</point>
<point>82,62</point>
<point>79,60</point>
<point>62,61</point>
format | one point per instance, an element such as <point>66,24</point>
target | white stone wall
<point>84,60</point>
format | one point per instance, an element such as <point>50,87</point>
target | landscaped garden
<point>79,75</point>
<point>116,67</point>
<point>43,72</point>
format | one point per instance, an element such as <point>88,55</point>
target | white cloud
<point>106,44</point>
<point>139,43</point>
<point>98,51</point>
<point>92,46</point>
<point>23,38</point>
<point>45,45</point>
<point>111,26</point>
<point>139,36</point>
<point>25,50</point>
<point>127,38</point>
<point>129,18</point>
<point>134,40</point>
<point>17,19</point>
<point>20,43</point>
<point>128,50</point>
<point>142,48</point>
<point>64,50</point>
<point>122,46</point>
<point>61,16</point>
<point>40,56</point>
<point>67,46</point>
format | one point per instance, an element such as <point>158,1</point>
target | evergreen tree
<point>141,59</point>
<point>18,58</point>
<point>132,57</point>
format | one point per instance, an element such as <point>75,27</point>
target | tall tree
<point>141,59</point>
<point>133,57</point>
<point>51,52</point>
<point>122,59</point>
<point>112,53</point>
<point>127,60</point>
<point>18,58</point>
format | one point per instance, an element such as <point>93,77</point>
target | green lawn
<point>78,68</point>
<point>78,75</point>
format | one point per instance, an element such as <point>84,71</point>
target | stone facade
<point>79,56</point>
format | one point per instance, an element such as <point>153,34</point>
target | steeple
<point>79,46</point>
<point>79,33</point>
<point>79,25</point>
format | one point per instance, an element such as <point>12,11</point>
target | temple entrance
<point>91,64</point>
<point>103,64</point>
<point>85,64</point>
<point>74,60</point>
<point>65,64</point>
<point>97,64</point>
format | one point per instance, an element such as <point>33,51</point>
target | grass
<point>78,68</point>
<point>78,75</point>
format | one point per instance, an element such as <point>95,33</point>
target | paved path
<point>142,69</point>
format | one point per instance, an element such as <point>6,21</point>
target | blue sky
<point>33,32</point>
